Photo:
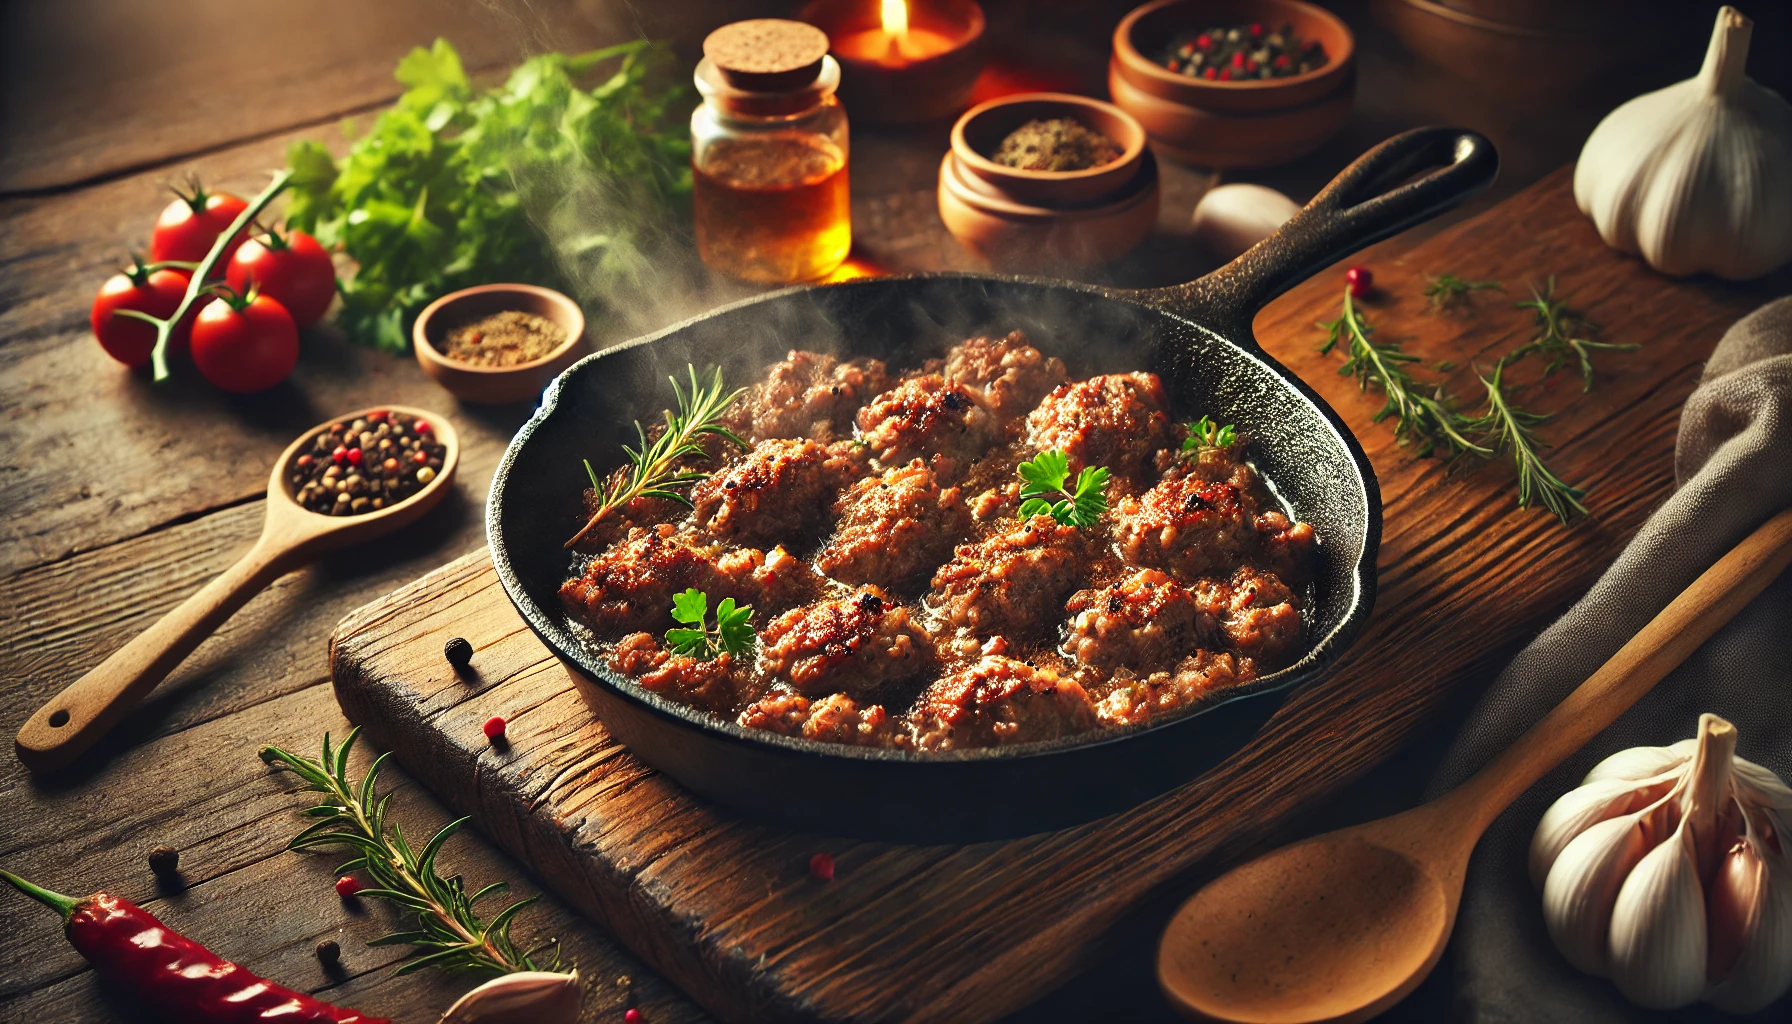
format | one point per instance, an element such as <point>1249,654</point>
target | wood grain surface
<point>726,908</point>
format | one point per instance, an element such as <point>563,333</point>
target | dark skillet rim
<point>569,648</point>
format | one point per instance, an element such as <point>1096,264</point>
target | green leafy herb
<point>733,632</point>
<point>1424,416</point>
<point>1510,430</point>
<point>1446,291</point>
<point>1557,329</point>
<point>352,816</point>
<point>654,470</point>
<point>449,186</point>
<point>1206,433</point>
<point>1045,493</point>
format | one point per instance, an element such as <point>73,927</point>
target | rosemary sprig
<point>353,816</point>
<point>653,466</point>
<point>1423,415</point>
<point>1509,429</point>
<point>1446,291</point>
<point>1557,326</point>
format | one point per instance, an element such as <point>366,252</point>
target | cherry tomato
<point>244,345</point>
<point>156,292</point>
<point>295,270</point>
<point>190,224</point>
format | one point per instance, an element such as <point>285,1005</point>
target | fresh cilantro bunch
<point>1045,492</point>
<point>733,632</point>
<point>1206,433</point>
<point>449,187</point>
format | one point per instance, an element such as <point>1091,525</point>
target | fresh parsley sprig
<point>353,816</point>
<point>1207,433</point>
<point>733,632</point>
<point>1045,491</point>
<point>1446,291</point>
<point>1558,327</point>
<point>653,467</point>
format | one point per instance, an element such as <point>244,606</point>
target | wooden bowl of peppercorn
<point>498,343</point>
<point>1234,83</point>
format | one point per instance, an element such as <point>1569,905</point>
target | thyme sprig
<point>654,471</point>
<point>1557,328</point>
<point>1509,429</point>
<point>1446,291</point>
<point>353,816</point>
<point>1424,416</point>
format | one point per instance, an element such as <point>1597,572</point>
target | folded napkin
<point>1733,464</point>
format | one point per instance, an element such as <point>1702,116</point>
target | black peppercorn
<point>328,951</point>
<point>458,652</point>
<point>164,859</point>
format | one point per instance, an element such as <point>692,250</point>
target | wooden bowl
<point>1022,237</point>
<point>979,133</point>
<point>1251,123</point>
<point>906,92</point>
<point>496,385</point>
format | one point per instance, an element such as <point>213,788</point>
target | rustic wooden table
<point>121,498</point>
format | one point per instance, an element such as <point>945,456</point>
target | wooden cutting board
<point>727,908</point>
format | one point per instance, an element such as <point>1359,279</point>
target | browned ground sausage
<point>808,394</point>
<point>1014,581</point>
<point>996,702</point>
<point>779,490</point>
<point>857,643</point>
<point>894,527</point>
<point>1118,421</point>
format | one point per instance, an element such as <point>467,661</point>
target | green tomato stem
<point>197,286</point>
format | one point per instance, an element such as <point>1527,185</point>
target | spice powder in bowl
<point>1056,144</point>
<point>366,465</point>
<point>510,338</point>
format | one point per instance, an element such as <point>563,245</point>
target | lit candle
<point>902,61</point>
<point>895,43</point>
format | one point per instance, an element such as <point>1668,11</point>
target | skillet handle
<point>1363,204</point>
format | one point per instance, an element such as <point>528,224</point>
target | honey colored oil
<point>773,208</point>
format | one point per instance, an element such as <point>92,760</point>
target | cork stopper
<point>767,54</point>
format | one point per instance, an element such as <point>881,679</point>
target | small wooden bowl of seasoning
<point>498,343</point>
<point>1041,182</point>
<point>1234,83</point>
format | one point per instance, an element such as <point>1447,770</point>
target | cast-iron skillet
<point>1196,336</point>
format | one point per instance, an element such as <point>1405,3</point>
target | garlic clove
<point>1583,884</point>
<point>1751,901</point>
<point>1641,763</point>
<point>1571,815</point>
<point>1760,786</point>
<point>1231,218</point>
<point>526,997</point>
<point>1656,949</point>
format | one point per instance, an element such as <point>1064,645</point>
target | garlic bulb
<point>525,997</point>
<point>1669,871</point>
<point>1231,218</point>
<point>1695,177</point>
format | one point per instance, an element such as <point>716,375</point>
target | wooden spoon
<point>292,536</point>
<point>1342,926</point>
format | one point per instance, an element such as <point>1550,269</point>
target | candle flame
<point>896,18</point>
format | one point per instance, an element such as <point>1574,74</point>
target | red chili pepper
<point>177,977</point>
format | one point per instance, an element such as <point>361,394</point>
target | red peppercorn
<point>1256,31</point>
<point>348,885</point>
<point>1250,67</point>
<point>631,1016</point>
<point>1204,41</point>
<point>421,426</point>
<point>494,727</point>
<point>822,866</point>
<point>354,456</point>
<point>1281,60</point>
<point>1360,281</point>
<point>391,466</point>
<point>420,457</point>
<point>1225,74</point>
<point>340,455</point>
<point>1210,74</point>
<point>377,416</point>
<point>1238,59</point>
<point>305,460</point>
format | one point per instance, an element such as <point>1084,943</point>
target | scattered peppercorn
<point>164,860</point>
<point>822,866</point>
<point>631,1016</point>
<point>337,477</point>
<point>1360,280</point>
<point>458,652</point>
<point>510,338</point>
<point>494,728</point>
<point>329,952</point>
<point>347,886</point>
<point>1058,144</point>
<point>1242,52</point>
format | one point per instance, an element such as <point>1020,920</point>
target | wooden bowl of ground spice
<point>498,343</point>
<point>1049,148</point>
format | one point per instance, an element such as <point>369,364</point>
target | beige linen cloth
<point>1733,465</point>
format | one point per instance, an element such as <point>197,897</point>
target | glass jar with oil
<point>769,154</point>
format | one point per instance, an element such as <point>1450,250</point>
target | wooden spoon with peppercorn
<point>326,492</point>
